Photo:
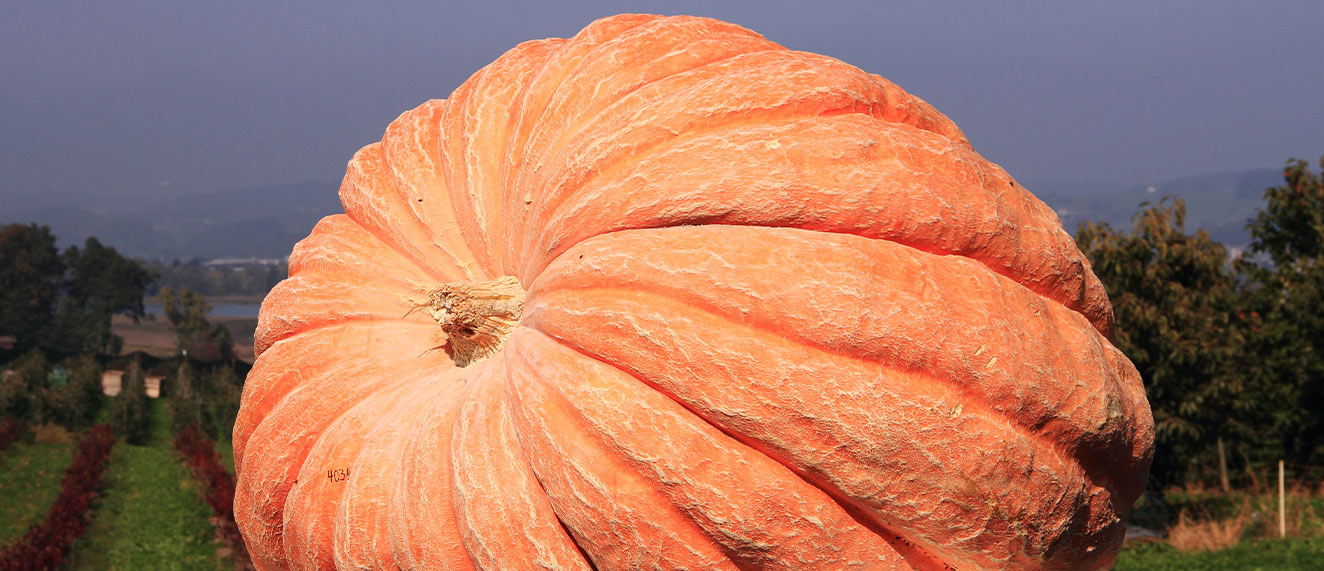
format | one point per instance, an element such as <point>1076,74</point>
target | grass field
<point>30,475</point>
<point>151,514</point>
<point>1261,555</point>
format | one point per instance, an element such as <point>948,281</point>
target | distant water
<point>239,310</point>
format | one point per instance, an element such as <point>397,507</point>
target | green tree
<point>31,273</point>
<point>186,398</point>
<point>99,284</point>
<point>130,415</point>
<point>65,301</point>
<point>222,402</point>
<point>187,312</point>
<point>1288,292</point>
<point>1175,300</point>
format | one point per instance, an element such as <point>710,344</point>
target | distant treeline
<point>211,280</point>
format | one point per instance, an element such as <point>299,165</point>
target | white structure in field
<point>112,382</point>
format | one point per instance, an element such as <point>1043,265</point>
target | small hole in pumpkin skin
<point>466,331</point>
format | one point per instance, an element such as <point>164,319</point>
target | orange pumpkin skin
<point>777,314</point>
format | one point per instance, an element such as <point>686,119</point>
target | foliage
<point>222,402</point>
<point>64,301</point>
<point>194,335</point>
<point>10,429</point>
<point>31,271</point>
<point>130,413</point>
<point>22,390</point>
<point>1288,344</point>
<point>99,283</point>
<point>186,397</point>
<point>1175,303</point>
<point>45,545</point>
<point>208,401</point>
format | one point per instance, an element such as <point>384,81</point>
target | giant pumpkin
<point>666,295</point>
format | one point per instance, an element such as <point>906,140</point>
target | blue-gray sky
<point>130,100</point>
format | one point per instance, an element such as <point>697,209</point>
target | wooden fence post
<point>1282,508</point>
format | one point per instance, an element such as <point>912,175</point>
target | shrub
<point>10,428</point>
<point>130,415</point>
<point>22,391</point>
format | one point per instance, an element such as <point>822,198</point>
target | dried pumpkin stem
<point>476,316</point>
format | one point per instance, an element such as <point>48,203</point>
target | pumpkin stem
<point>476,316</point>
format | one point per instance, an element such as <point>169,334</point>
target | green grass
<point>151,514</point>
<point>30,475</point>
<point>226,449</point>
<point>1266,554</point>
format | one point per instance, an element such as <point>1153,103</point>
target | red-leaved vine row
<point>200,454</point>
<point>10,428</point>
<point>46,544</point>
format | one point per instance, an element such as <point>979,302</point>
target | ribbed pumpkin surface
<point>779,314</point>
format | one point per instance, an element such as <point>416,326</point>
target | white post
<point>1282,510</point>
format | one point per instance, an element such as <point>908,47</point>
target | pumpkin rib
<point>361,536</point>
<point>1084,295</point>
<point>816,76</point>
<point>362,196</point>
<point>506,520</point>
<point>282,465</point>
<point>644,526</point>
<point>414,172</point>
<point>315,499</point>
<point>813,100</point>
<point>630,44</point>
<point>532,95</point>
<point>898,541</point>
<point>1041,443</point>
<point>935,252</point>
<point>1098,461</point>
<point>274,378</point>
<point>421,522</point>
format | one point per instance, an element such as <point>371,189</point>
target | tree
<point>31,273</point>
<point>187,312</point>
<point>222,403</point>
<point>65,301</point>
<point>1289,293</point>
<point>130,415</point>
<point>1175,302</point>
<point>99,284</point>
<point>186,398</point>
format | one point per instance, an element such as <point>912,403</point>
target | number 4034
<point>338,474</point>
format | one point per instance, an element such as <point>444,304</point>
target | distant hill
<point>262,222</point>
<point>1220,203</point>
<point>265,222</point>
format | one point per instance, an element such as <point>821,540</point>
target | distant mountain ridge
<point>262,222</point>
<point>265,222</point>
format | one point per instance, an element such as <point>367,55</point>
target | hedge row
<point>46,544</point>
<point>199,453</point>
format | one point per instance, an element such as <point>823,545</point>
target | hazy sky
<point>132,99</point>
